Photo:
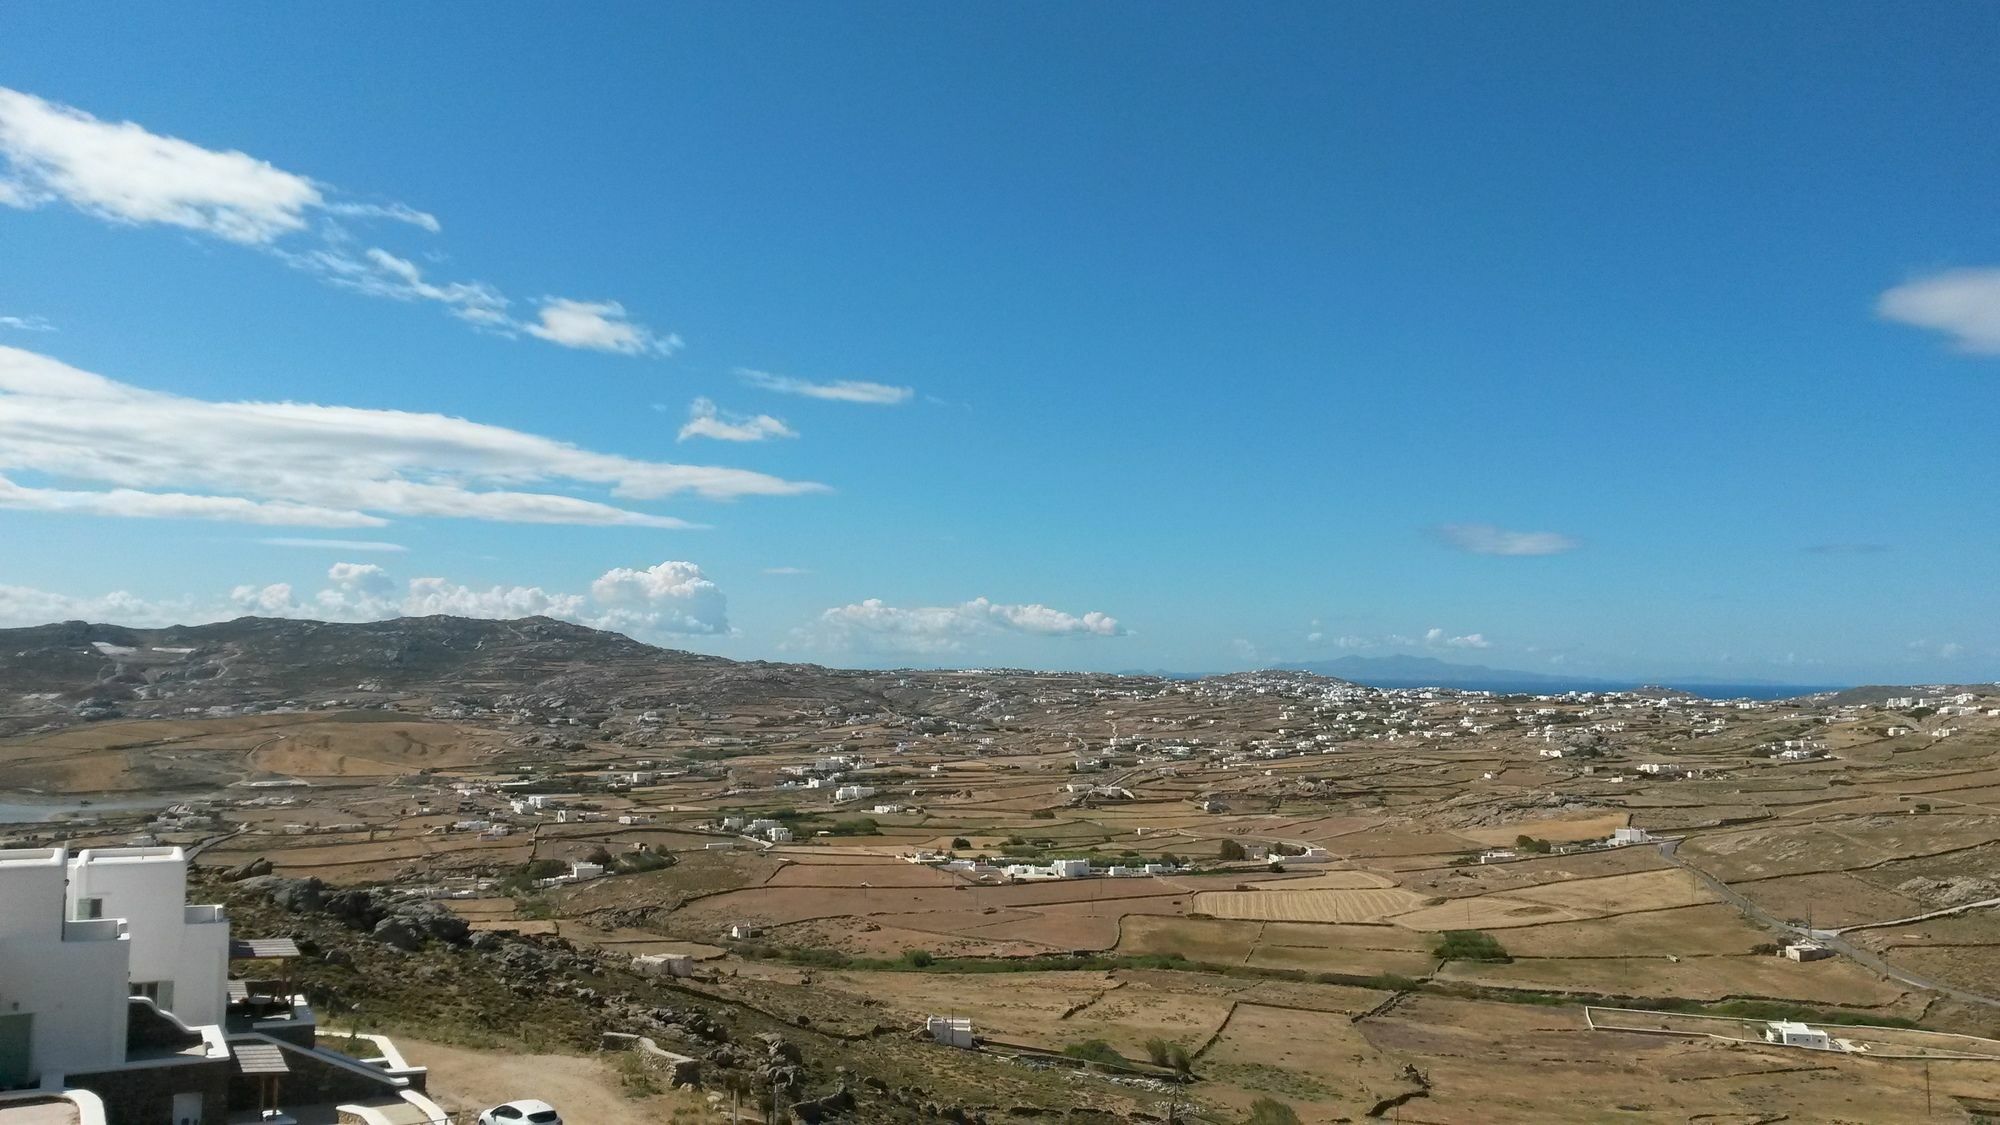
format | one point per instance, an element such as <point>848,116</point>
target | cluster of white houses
<point>119,995</point>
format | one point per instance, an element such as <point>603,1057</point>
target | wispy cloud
<point>599,326</point>
<point>705,419</point>
<point>27,323</point>
<point>1963,304</point>
<point>335,544</point>
<point>1486,539</point>
<point>122,173</point>
<point>844,390</point>
<point>786,571</point>
<point>302,464</point>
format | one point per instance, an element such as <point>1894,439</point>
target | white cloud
<point>1486,539</point>
<point>672,597</point>
<point>705,420</point>
<point>1963,304</point>
<point>27,323</point>
<point>334,544</point>
<point>1436,637</point>
<point>598,326</point>
<point>669,599</point>
<point>130,503</point>
<point>874,623</point>
<point>786,570</point>
<point>122,173</point>
<point>23,605</point>
<point>844,390</point>
<point>310,465</point>
<point>378,273</point>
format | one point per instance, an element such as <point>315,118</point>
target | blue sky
<point>1613,339</point>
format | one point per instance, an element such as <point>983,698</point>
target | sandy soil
<point>583,1089</point>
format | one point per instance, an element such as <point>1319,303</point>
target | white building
<point>580,870</point>
<point>853,792</point>
<point>664,964</point>
<point>949,1031</point>
<point>1791,1033</point>
<point>1630,836</point>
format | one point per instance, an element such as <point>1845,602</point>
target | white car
<point>524,1112</point>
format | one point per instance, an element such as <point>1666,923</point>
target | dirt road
<point>584,1089</point>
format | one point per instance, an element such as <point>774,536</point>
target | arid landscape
<point>1149,897</point>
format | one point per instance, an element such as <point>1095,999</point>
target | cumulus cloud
<point>875,624</point>
<point>27,323</point>
<point>669,599</point>
<point>23,605</point>
<point>122,173</point>
<point>1486,539</point>
<point>168,456</point>
<point>844,390</point>
<point>706,420</point>
<point>1963,304</point>
<point>672,597</point>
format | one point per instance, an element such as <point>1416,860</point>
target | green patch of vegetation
<point>1230,851</point>
<point>1469,945</point>
<point>522,879</point>
<point>856,826</point>
<point>919,958</point>
<point>634,862</point>
<point>1532,846</point>
<point>1095,1050</point>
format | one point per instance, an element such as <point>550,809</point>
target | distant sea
<point>1557,687</point>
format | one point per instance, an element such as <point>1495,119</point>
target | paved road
<point>1670,849</point>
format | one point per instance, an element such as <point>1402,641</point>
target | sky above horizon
<point>1636,341</point>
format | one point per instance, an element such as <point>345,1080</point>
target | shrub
<point>1043,814</point>
<point>1167,1053</point>
<point>920,958</point>
<point>960,843</point>
<point>1094,1050</point>
<point>1469,945</point>
<point>1271,1111</point>
<point>1230,850</point>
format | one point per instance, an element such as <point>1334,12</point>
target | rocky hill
<point>96,671</point>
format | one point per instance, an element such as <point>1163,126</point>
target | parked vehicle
<point>527,1111</point>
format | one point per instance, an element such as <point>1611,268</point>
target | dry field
<point>1307,906</point>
